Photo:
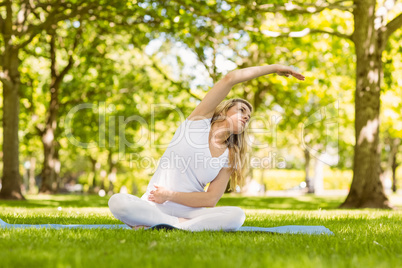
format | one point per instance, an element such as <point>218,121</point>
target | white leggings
<point>135,211</point>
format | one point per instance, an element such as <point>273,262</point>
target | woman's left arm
<point>194,199</point>
<point>222,88</point>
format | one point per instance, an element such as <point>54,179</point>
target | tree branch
<point>346,36</point>
<point>302,33</point>
<point>298,7</point>
<point>393,25</point>
<point>265,8</point>
<point>53,67</point>
<point>179,85</point>
<point>2,22</point>
<point>39,130</point>
<point>201,58</point>
<point>52,18</point>
<point>71,56</point>
<point>120,22</point>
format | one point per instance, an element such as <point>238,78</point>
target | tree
<point>23,22</point>
<point>370,37</point>
<point>20,23</point>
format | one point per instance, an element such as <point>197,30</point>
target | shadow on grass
<point>306,202</point>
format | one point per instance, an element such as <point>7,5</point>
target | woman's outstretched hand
<point>159,195</point>
<point>286,71</point>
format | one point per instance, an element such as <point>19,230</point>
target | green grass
<point>370,238</point>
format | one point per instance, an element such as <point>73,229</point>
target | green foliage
<point>115,74</point>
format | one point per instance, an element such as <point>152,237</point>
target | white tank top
<point>187,164</point>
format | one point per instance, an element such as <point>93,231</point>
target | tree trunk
<point>248,180</point>
<point>394,151</point>
<point>394,166</point>
<point>367,190</point>
<point>318,176</point>
<point>309,182</point>
<point>112,178</point>
<point>112,171</point>
<point>11,180</point>
<point>31,188</point>
<point>388,171</point>
<point>263,188</point>
<point>51,164</point>
<point>93,183</point>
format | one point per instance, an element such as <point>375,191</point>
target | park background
<point>98,89</point>
<point>92,91</point>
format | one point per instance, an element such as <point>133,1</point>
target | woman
<point>208,147</point>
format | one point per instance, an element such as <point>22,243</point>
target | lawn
<point>370,238</point>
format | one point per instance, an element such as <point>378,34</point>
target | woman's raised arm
<point>243,75</point>
<point>222,88</point>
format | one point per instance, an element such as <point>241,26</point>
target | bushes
<point>284,179</point>
<point>273,179</point>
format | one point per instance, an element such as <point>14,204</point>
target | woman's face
<point>237,117</point>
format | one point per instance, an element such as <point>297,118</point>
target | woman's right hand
<point>283,70</point>
<point>160,195</point>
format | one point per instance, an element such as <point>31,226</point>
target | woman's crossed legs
<point>134,211</point>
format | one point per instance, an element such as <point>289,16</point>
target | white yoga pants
<point>133,211</point>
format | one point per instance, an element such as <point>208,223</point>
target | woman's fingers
<point>152,198</point>
<point>286,71</point>
<point>298,76</point>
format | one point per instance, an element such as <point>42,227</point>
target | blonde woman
<point>208,147</point>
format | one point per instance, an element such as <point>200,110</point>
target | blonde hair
<point>236,143</point>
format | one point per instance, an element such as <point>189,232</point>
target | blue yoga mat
<point>290,229</point>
